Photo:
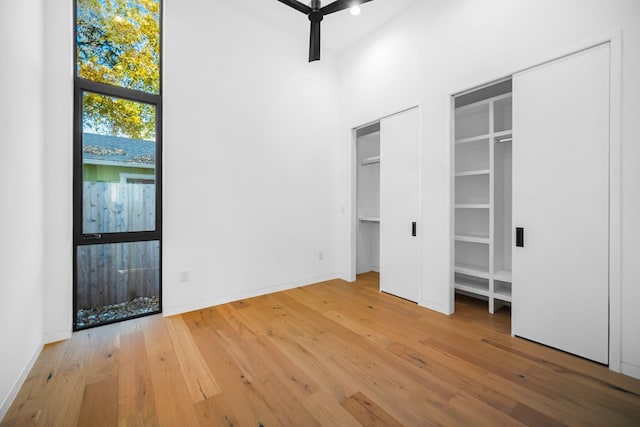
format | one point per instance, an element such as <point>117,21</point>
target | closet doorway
<point>482,194</point>
<point>532,201</point>
<point>387,200</point>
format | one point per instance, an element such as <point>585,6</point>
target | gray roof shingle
<point>118,149</point>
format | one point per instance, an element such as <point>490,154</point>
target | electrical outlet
<point>184,276</point>
<point>320,256</point>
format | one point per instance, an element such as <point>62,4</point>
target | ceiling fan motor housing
<point>315,16</point>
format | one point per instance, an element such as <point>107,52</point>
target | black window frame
<point>80,87</point>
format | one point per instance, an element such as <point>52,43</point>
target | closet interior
<point>482,194</point>
<point>368,198</point>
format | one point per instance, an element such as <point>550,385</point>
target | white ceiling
<point>340,30</point>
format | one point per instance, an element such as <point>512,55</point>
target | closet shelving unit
<point>369,182</point>
<point>482,201</point>
<point>368,202</point>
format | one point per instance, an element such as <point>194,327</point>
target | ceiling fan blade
<point>314,42</point>
<point>339,5</point>
<point>301,7</point>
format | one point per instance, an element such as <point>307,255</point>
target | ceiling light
<point>355,10</point>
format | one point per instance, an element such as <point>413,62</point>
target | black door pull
<point>520,237</point>
<point>413,229</point>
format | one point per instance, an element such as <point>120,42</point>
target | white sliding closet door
<point>561,199</point>
<point>399,205</point>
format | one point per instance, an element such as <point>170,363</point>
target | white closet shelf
<point>502,295</point>
<point>503,275</point>
<point>472,287</point>
<point>472,270</point>
<point>472,239</point>
<point>480,138</point>
<point>474,173</point>
<point>503,134</point>
<point>502,291</point>
<point>370,161</point>
<point>472,206</point>
<point>369,219</point>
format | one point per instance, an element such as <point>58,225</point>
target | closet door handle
<point>413,229</point>
<point>520,237</point>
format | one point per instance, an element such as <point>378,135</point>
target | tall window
<point>117,133</point>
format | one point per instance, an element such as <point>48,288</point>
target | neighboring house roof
<point>105,149</point>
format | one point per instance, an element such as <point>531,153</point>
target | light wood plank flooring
<point>334,354</point>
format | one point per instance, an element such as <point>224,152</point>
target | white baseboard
<point>185,308</point>
<point>55,336</point>
<point>630,370</point>
<point>8,400</point>
<point>432,305</point>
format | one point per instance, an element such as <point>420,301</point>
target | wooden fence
<point>119,272</point>
<point>118,207</point>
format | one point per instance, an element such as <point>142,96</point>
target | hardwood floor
<point>334,353</point>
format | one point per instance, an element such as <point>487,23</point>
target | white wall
<point>21,192</point>
<point>58,98</point>
<point>249,141</point>
<point>442,47</point>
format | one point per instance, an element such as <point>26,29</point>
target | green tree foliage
<point>107,115</point>
<point>118,43</point>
